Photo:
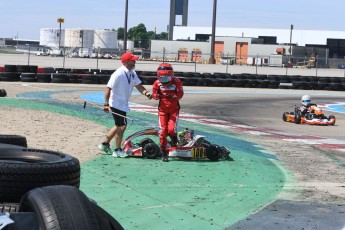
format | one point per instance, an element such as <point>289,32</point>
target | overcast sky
<point>25,18</point>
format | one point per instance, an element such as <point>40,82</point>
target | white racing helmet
<point>306,100</point>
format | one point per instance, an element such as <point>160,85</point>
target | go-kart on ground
<point>148,194</point>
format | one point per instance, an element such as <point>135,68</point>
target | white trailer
<point>275,60</point>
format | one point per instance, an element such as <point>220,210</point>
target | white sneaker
<point>119,153</point>
<point>105,148</point>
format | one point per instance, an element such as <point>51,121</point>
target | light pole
<point>290,50</point>
<point>60,20</point>
<point>125,28</point>
<point>213,61</point>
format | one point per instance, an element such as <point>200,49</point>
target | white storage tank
<point>130,44</point>
<point>79,38</point>
<point>51,37</point>
<point>105,39</point>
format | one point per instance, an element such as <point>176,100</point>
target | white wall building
<point>299,37</point>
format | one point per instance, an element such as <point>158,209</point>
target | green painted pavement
<point>151,194</point>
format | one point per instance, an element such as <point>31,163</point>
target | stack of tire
<point>28,73</point>
<point>45,183</point>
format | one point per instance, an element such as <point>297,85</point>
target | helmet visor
<point>165,79</point>
<point>306,101</point>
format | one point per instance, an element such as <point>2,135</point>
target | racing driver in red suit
<point>168,90</point>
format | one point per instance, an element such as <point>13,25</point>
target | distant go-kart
<point>188,147</point>
<point>313,116</point>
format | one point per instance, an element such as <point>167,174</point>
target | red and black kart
<point>313,116</point>
<point>188,147</point>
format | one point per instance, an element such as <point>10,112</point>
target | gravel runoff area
<point>89,63</point>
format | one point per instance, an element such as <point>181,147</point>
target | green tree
<point>141,37</point>
<point>163,36</point>
<point>120,33</point>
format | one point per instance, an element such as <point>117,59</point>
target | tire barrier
<point>22,169</point>
<point>58,207</point>
<point>217,79</point>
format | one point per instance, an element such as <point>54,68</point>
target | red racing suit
<point>168,109</point>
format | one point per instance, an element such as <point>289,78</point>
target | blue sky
<point>25,18</point>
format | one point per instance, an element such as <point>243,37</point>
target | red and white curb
<point>321,142</point>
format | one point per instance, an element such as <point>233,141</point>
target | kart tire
<point>3,92</point>
<point>145,141</point>
<point>285,116</point>
<point>213,152</point>
<point>60,207</point>
<point>151,151</point>
<point>332,117</point>
<point>298,118</point>
<point>23,169</point>
<point>13,140</point>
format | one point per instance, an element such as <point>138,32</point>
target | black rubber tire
<point>23,169</point>
<point>105,220</point>
<point>213,152</point>
<point>284,116</point>
<point>151,151</point>
<point>298,118</point>
<point>59,78</point>
<point>10,68</point>
<point>60,207</point>
<point>44,77</point>
<point>332,117</point>
<point>3,93</point>
<point>23,69</point>
<point>145,141</point>
<point>28,77</point>
<point>10,76</point>
<point>89,79</point>
<point>14,140</point>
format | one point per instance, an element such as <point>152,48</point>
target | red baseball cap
<point>128,56</point>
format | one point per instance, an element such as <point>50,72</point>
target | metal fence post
<point>227,62</point>
<point>256,63</point>
<point>64,57</point>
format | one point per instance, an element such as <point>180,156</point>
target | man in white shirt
<point>116,98</point>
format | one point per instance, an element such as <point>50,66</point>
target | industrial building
<point>272,47</point>
<point>245,45</point>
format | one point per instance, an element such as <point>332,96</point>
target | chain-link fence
<point>191,62</point>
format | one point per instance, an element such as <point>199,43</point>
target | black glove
<point>106,108</point>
